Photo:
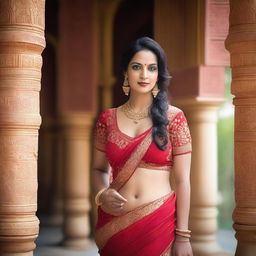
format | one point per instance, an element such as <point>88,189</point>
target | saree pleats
<point>145,231</point>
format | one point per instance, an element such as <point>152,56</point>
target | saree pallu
<point>145,231</point>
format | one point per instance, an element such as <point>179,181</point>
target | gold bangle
<point>97,197</point>
<point>183,230</point>
<point>183,235</point>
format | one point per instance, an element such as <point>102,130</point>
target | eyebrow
<point>142,64</point>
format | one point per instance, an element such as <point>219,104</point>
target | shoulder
<point>172,112</point>
<point>107,112</point>
<point>106,115</point>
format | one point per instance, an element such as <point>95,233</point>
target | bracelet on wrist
<point>183,235</point>
<point>183,232</point>
<point>97,197</point>
<point>186,231</point>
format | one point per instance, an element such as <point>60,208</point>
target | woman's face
<point>142,72</point>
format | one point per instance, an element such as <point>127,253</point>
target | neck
<point>140,102</point>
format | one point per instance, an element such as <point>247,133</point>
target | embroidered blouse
<point>118,146</point>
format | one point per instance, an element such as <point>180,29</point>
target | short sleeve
<point>100,135</point>
<point>180,135</point>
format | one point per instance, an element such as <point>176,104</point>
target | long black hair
<point>159,106</point>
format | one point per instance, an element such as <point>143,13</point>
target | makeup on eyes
<point>137,66</point>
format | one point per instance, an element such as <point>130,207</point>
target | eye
<point>135,67</point>
<point>152,68</point>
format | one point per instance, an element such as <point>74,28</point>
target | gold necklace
<point>134,116</point>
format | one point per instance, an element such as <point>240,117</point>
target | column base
<point>206,248</point>
<point>245,249</point>
<point>77,243</point>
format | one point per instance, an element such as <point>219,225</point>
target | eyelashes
<point>150,68</point>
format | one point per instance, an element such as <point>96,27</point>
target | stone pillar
<point>197,57</point>
<point>21,44</point>
<point>107,11</point>
<point>241,42</point>
<point>202,118</point>
<point>76,163</point>
<point>77,83</point>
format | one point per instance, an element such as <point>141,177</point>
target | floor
<point>50,237</point>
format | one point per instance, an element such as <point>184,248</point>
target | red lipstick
<point>143,83</point>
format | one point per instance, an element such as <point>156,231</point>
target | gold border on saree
<point>121,222</point>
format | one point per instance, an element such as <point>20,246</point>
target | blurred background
<point>81,76</point>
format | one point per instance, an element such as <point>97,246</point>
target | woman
<point>143,141</point>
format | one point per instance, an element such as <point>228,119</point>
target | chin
<point>142,90</point>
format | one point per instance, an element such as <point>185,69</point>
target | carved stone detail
<point>21,44</point>
<point>76,130</point>
<point>241,43</point>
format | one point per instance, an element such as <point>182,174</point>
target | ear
<point>125,73</point>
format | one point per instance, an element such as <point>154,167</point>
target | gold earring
<point>155,91</point>
<point>126,87</point>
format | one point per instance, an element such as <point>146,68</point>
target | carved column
<point>241,42</point>
<point>21,44</point>
<point>77,83</point>
<point>76,129</point>
<point>107,10</point>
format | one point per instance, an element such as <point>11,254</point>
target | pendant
<point>136,122</point>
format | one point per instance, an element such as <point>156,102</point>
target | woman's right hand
<point>112,201</point>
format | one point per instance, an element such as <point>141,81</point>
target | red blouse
<point>118,146</point>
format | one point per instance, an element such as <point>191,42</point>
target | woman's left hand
<point>181,248</point>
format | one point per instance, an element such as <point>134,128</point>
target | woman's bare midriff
<point>145,186</point>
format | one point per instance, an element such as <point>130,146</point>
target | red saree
<point>149,228</point>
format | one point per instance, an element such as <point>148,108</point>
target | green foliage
<point>226,159</point>
<point>226,171</point>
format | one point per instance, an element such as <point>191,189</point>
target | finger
<point>118,197</point>
<point>117,205</point>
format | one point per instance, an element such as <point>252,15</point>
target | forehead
<point>145,57</point>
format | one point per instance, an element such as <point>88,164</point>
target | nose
<point>144,73</point>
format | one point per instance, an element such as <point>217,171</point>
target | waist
<point>145,186</point>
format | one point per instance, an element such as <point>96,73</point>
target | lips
<point>143,83</point>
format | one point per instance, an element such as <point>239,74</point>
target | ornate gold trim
<point>130,166</point>
<point>121,222</point>
<point>152,166</point>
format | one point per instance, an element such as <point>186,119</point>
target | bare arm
<point>111,200</point>
<point>181,175</point>
<point>182,182</point>
<point>100,176</point>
